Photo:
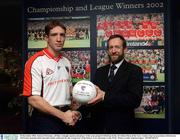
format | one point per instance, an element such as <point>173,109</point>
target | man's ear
<point>46,38</point>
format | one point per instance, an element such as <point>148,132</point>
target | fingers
<point>95,100</point>
<point>99,97</point>
<point>72,117</point>
<point>76,116</point>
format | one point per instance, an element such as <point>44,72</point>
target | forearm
<point>40,104</point>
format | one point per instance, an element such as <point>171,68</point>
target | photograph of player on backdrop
<point>80,61</point>
<point>150,60</point>
<point>138,29</point>
<point>77,33</point>
<point>153,103</point>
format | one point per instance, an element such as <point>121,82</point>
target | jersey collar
<point>50,55</point>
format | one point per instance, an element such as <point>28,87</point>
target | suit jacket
<point>116,113</point>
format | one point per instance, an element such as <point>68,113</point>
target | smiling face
<point>55,40</point>
<point>116,50</point>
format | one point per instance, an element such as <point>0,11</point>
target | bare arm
<point>40,104</point>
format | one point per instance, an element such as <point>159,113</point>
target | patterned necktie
<point>111,76</point>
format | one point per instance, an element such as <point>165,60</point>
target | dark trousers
<point>41,123</point>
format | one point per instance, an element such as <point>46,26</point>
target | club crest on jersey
<point>49,71</point>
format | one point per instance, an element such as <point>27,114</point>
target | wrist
<point>80,116</point>
<point>103,95</point>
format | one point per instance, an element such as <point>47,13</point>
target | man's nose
<point>59,38</point>
<point>114,49</point>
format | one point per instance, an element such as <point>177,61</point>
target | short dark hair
<point>117,36</point>
<point>53,24</point>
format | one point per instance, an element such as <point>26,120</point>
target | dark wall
<point>11,22</point>
<point>176,57</point>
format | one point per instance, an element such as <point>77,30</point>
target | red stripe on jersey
<point>27,87</point>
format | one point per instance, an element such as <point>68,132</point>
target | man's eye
<point>118,47</point>
<point>53,34</point>
<point>62,34</point>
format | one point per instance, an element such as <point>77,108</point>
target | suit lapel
<point>107,71</point>
<point>120,72</point>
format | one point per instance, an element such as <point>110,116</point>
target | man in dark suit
<point>119,91</point>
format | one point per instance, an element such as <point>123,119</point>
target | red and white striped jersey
<point>48,77</point>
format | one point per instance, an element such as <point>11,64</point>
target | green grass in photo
<point>160,77</point>
<point>75,80</point>
<point>160,115</point>
<point>83,43</point>
<point>36,44</point>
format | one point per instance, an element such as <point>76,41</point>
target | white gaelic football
<point>83,91</point>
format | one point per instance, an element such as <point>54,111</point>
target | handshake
<point>71,117</point>
<point>95,95</point>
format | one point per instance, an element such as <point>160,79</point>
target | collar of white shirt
<point>117,65</point>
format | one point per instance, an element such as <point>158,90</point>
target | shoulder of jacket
<point>134,66</point>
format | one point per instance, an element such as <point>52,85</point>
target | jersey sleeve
<point>32,78</point>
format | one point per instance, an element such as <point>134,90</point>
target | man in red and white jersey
<point>47,85</point>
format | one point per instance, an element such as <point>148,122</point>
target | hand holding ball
<point>84,91</point>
